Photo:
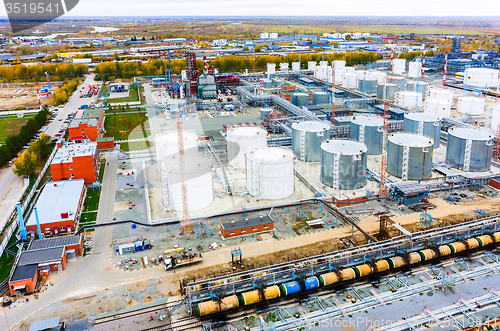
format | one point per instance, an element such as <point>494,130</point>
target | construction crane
<point>186,220</point>
<point>383,190</point>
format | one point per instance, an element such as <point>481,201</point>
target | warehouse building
<point>58,207</point>
<point>76,161</point>
<point>23,279</point>
<point>88,127</point>
<point>246,226</point>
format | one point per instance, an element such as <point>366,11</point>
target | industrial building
<point>88,127</point>
<point>76,161</point>
<point>246,226</point>
<point>57,209</point>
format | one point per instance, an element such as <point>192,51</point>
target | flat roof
<point>105,139</point>
<point>40,256</point>
<point>55,242</point>
<point>48,324</point>
<point>411,188</point>
<point>23,272</point>
<point>56,198</point>
<point>243,224</point>
<point>77,121</point>
<point>66,153</point>
<point>92,112</point>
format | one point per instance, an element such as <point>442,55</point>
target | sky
<point>92,8</point>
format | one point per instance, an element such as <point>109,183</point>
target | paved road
<point>154,124</point>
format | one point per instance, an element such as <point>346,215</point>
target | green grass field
<point>7,260</point>
<point>126,126</point>
<point>12,125</point>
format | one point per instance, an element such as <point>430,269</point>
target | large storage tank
<point>409,156</point>
<point>166,145</point>
<point>311,65</point>
<point>339,75</point>
<point>368,85</point>
<point>378,75</point>
<point>398,66</point>
<point>343,164</point>
<point>409,99</point>
<point>338,64</point>
<point>389,89</point>
<point>271,69</point>
<point>241,140</point>
<point>423,124</point>
<point>481,77</point>
<point>441,94</point>
<point>401,81</point>
<point>471,105</point>
<point>320,98</point>
<point>198,179</point>
<point>320,72</point>
<point>296,66</point>
<point>349,80</point>
<point>300,99</point>
<point>350,70</point>
<point>469,149</point>
<point>417,86</point>
<point>307,138</point>
<point>414,69</point>
<point>495,117</point>
<point>270,173</point>
<point>440,108</point>
<point>368,130</point>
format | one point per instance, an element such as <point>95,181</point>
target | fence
<point>25,205</point>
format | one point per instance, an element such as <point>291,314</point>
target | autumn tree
<point>26,164</point>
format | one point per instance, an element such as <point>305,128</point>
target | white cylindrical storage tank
<point>471,105</point>
<point>441,94</point>
<point>401,81</point>
<point>440,108</point>
<point>350,70</point>
<point>389,89</point>
<point>198,179</point>
<point>166,145</point>
<point>469,149</point>
<point>378,75</point>
<point>409,99</point>
<point>323,63</point>
<point>296,66</point>
<point>339,75</point>
<point>414,69</point>
<point>495,117</point>
<point>338,64</point>
<point>350,174</point>
<point>271,68</point>
<point>481,77</point>
<point>320,72</point>
<point>311,65</point>
<point>242,140</point>
<point>417,86</point>
<point>270,173</point>
<point>307,138</point>
<point>409,156</point>
<point>284,66</point>
<point>398,66</point>
<point>349,80</point>
<point>362,74</point>
<point>423,124</point>
<point>368,130</point>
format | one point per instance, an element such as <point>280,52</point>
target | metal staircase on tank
<point>406,161</point>
<point>468,151</point>
<point>421,127</point>
<point>336,170</point>
<point>362,134</point>
<point>256,180</point>
<point>302,146</point>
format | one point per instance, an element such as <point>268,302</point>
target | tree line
<point>27,163</point>
<point>15,142</point>
<point>36,72</point>
<point>61,94</point>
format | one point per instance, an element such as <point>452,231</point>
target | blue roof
<point>48,324</point>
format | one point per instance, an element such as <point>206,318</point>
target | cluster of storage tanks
<point>336,277</point>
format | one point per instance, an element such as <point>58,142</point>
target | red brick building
<point>105,143</point>
<point>247,226</point>
<point>23,279</point>
<point>75,161</point>
<point>89,126</point>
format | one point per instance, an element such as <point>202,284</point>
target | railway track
<point>186,323</point>
<point>150,309</point>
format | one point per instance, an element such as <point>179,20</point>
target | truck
<point>170,262</point>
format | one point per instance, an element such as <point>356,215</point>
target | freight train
<point>346,274</point>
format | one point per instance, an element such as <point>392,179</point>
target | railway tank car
<point>338,276</point>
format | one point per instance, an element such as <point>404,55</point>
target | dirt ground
<point>21,97</point>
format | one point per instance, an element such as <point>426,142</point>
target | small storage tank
<point>267,83</point>
<point>166,145</point>
<point>409,156</point>
<point>307,138</point>
<point>441,94</point>
<point>409,99</point>
<point>241,140</point>
<point>440,108</point>
<point>495,117</point>
<point>296,66</point>
<point>469,149</point>
<point>398,66</point>
<point>389,89</point>
<point>284,66</point>
<point>320,98</point>
<point>401,81</point>
<point>270,173</point>
<point>481,77</point>
<point>471,105</point>
<point>271,69</point>
<point>368,130</point>
<point>378,75</point>
<point>368,85</point>
<point>344,160</point>
<point>198,179</point>
<point>414,69</point>
<point>338,64</point>
<point>423,124</point>
<point>265,111</point>
<point>300,99</point>
<point>417,86</point>
<point>320,72</point>
<point>349,80</point>
<point>311,65</point>
<point>339,75</point>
